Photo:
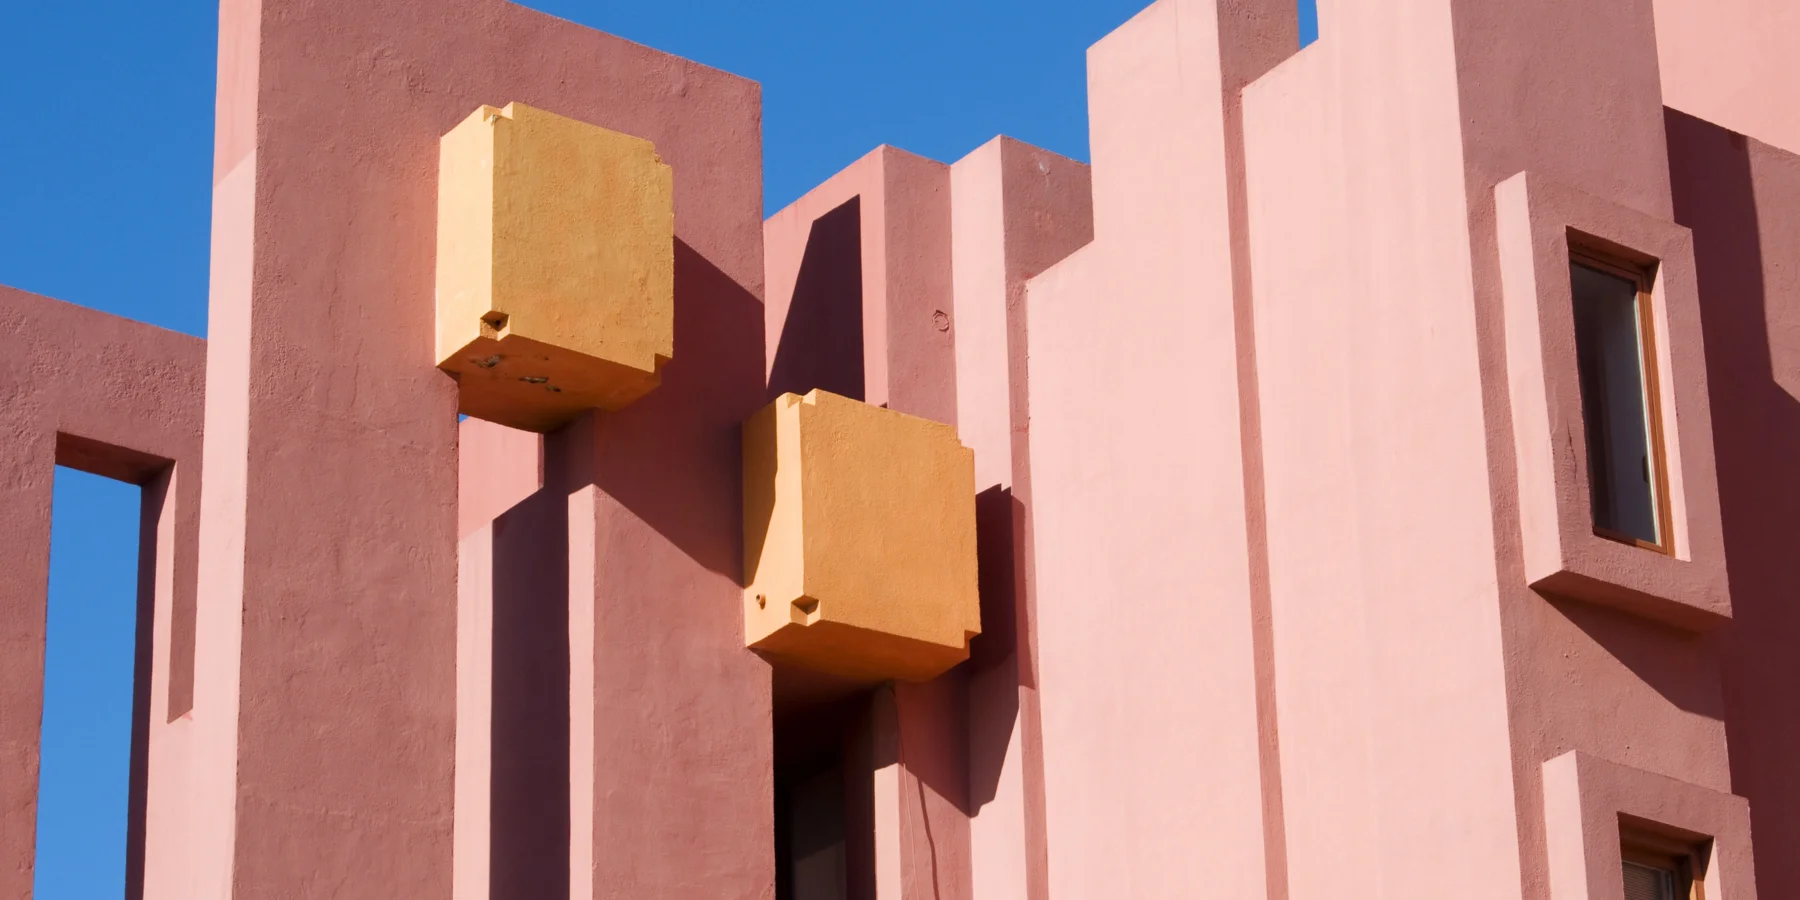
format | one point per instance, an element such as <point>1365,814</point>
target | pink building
<point>1373,477</point>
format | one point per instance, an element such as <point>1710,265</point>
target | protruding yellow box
<point>859,539</point>
<point>555,266</point>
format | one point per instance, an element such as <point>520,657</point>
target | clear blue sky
<point>108,147</point>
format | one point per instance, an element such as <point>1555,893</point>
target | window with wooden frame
<point>1658,867</point>
<point>1615,350</point>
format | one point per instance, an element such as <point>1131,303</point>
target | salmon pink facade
<point>1373,476</point>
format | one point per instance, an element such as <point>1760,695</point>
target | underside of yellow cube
<point>859,533</point>
<point>555,267</point>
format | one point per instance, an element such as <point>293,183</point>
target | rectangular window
<point>1644,882</point>
<point>1660,868</point>
<point>1615,352</point>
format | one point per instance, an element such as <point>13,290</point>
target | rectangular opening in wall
<point>1657,866</point>
<point>1615,352</point>
<point>90,781</point>
<point>810,809</point>
<point>824,787</point>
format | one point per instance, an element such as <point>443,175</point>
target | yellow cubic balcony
<point>555,266</point>
<point>859,539</point>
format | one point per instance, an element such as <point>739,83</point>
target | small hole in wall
<point>494,324</point>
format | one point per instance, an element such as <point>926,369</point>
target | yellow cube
<point>859,539</point>
<point>555,266</point>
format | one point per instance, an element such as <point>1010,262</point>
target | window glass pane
<point>1648,883</point>
<point>1615,403</point>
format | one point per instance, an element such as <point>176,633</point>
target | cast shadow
<point>995,664</point>
<point>673,458</point>
<point>1756,438</point>
<point>529,823</point>
<point>1715,196</point>
<point>1681,666</point>
<point>821,342</point>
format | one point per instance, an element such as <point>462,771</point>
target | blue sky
<point>108,147</point>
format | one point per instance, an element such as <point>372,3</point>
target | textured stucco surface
<point>1741,198</point>
<point>121,399</point>
<point>333,571</point>
<point>860,536</point>
<point>555,266</point>
<point>1251,452</point>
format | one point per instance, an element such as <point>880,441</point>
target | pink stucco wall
<point>319,331</point>
<point>1016,210</point>
<point>860,303</point>
<point>1741,197</point>
<point>1145,602</point>
<point>1288,578</point>
<point>94,392</point>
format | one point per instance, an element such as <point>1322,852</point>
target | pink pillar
<point>512,670</point>
<point>1015,211</point>
<point>338,694</point>
<point>1146,605</point>
<point>120,399</point>
<point>907,767</point>
<point>860,303</point>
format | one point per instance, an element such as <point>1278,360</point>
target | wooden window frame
<point>1684,858</point>
<point>1643,276</point>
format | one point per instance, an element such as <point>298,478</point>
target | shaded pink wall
<point>121,399</point>
<point>1741,197</point>
<point>1587,114</point>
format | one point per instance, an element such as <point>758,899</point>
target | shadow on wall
<point>1752,334</point>
<point>688,490</point>
<point>1679,665</point>
<point>529,837</point>
<point>822,339</point>
<point>993,714</point>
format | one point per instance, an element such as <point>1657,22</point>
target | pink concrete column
<point>334,773</point>
<point>1015,211</point>
<point>119,399</point>
<point>1573,98</point>
<point>671,749</point>
<point>864,262</point>
<point>511,832</point>
<point>1149,673</point>
<point>27,465</point>
<point>906,771</point>
<point>670,745</point>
